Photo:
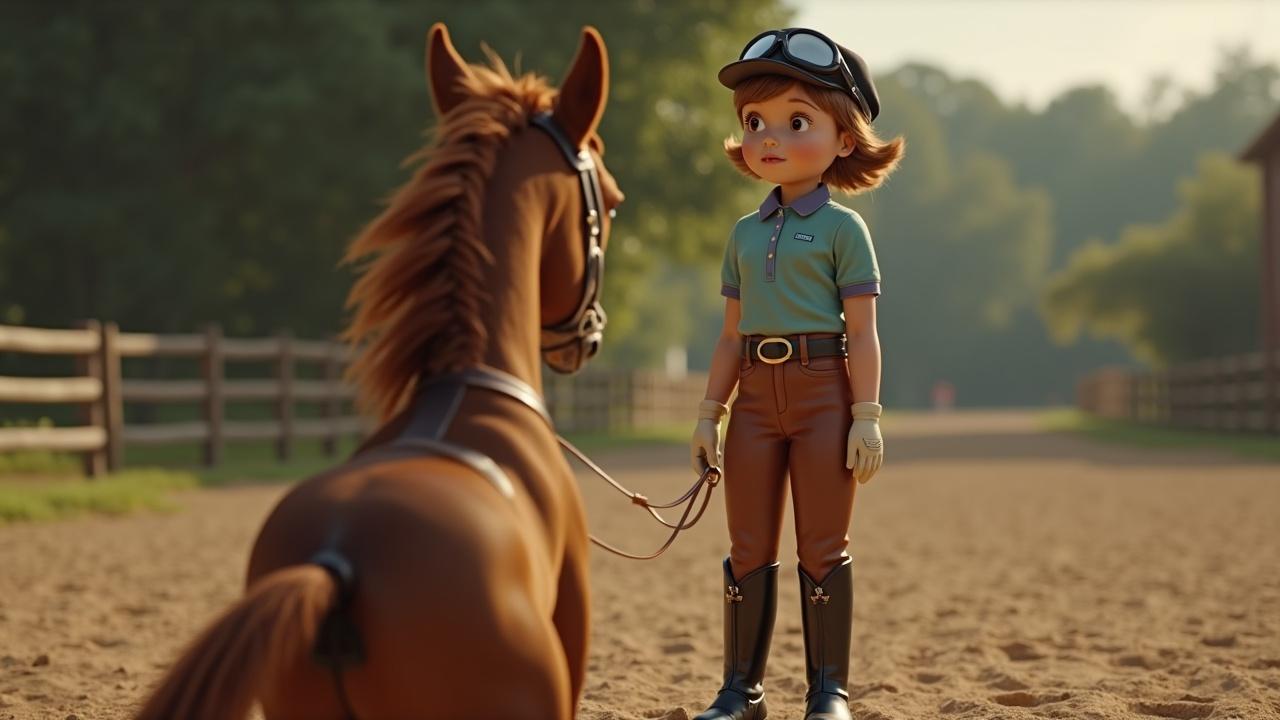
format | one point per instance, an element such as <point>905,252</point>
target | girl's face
<point>789,140</point>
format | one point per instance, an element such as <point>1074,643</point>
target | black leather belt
<point>774,350</point>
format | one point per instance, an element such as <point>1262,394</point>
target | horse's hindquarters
<point>453,602</point>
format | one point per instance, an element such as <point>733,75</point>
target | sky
<point>1032,50</point>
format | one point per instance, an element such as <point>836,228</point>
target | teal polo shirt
<point>791,266</point>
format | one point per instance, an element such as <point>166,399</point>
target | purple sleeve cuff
<point>730,291</point>
<point>871,287</point>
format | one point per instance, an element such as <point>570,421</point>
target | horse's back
<point>454,592</point>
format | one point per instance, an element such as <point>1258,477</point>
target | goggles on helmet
<point>808,50</point>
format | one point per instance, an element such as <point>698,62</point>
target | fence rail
<point>1238,393</point>
<point>102,392</point>
<point>595,400</point>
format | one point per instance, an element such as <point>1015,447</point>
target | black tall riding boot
<point>828,628</point>
<point>749,610</point>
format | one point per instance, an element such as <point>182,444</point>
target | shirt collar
<point>805,205</point>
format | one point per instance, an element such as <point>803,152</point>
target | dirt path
<point>1001,572</point>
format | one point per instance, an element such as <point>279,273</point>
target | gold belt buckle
<point>771,361</point>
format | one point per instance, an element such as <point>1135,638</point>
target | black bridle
<point>566,346</point>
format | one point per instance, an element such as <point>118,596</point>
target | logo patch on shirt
<point>804,237</point>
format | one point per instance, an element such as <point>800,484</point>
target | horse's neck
<point>513,314</point>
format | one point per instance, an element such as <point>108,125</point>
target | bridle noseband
<point>566,346</point>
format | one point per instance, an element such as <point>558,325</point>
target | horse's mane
<point>419,302</point>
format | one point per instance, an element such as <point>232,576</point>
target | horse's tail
<point>223,672</point>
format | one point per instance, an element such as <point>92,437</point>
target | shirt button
<point>770,255</point>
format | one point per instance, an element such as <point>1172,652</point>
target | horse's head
<point>494,249</point>
<point>561,168</point>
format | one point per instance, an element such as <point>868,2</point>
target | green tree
<point>961,247</point>
<point>1095,170</point>
<point>1180,290</point>
<point>168,165</point>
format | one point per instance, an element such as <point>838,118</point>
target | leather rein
<point>437,402</point>
<point>567,345</point>
<point>709,478</point>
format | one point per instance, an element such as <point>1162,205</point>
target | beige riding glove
<point>704,449</point>
<point>865,451</point>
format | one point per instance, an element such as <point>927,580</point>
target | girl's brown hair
<point>865,168</point>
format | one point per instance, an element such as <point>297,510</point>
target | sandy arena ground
<point>1000,572</point>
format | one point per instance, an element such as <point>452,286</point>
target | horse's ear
<point>585,89</point>
<point>445,70</point>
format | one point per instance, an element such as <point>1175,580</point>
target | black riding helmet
<point>809,56</point>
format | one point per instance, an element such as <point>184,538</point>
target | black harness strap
<point>437,404</point>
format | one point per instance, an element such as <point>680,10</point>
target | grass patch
<point>1249,445</point>
<point>50,498</point>
<point>248,461</point>
<point>38,462</point>
<point>46,486</point>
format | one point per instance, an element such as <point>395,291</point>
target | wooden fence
<point>101,391</point>
<point>1229,394</point>
<point>596,400</point>
<point>614,400</point>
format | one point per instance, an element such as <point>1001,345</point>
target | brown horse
<point>441,571</point>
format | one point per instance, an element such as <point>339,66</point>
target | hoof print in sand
<point>1008,683</point>
<point>1181,710</point>
<point>666,714</point>
<point>865,713</point>
<point>1020,651</point>
<point>859,691</point>
<point>954,706</point>
<point>1028,699</point>
<point>791,684</point>
<point>1139,660</point>
<point>1223,641</point>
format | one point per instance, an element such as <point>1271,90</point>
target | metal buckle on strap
<point>772,361</point>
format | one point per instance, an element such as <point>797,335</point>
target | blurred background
<point>1071,196</point>
<point>1073,223</point>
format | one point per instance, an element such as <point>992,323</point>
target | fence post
<point>92,413</point>
<point>1222,410</point>
<point>214,368</point>
<point>112,398</point>
<point>1167,389</point>
<point>1239,385</point>
<point>284,403</point>
<point>331,405</point>
<point>1270,391</point>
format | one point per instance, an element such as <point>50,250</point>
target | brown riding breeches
<point>794,419</point>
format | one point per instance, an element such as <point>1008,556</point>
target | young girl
<point>799,341</point>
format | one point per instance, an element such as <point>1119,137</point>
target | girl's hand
<point>865,453</point>
<point>704,448</point>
